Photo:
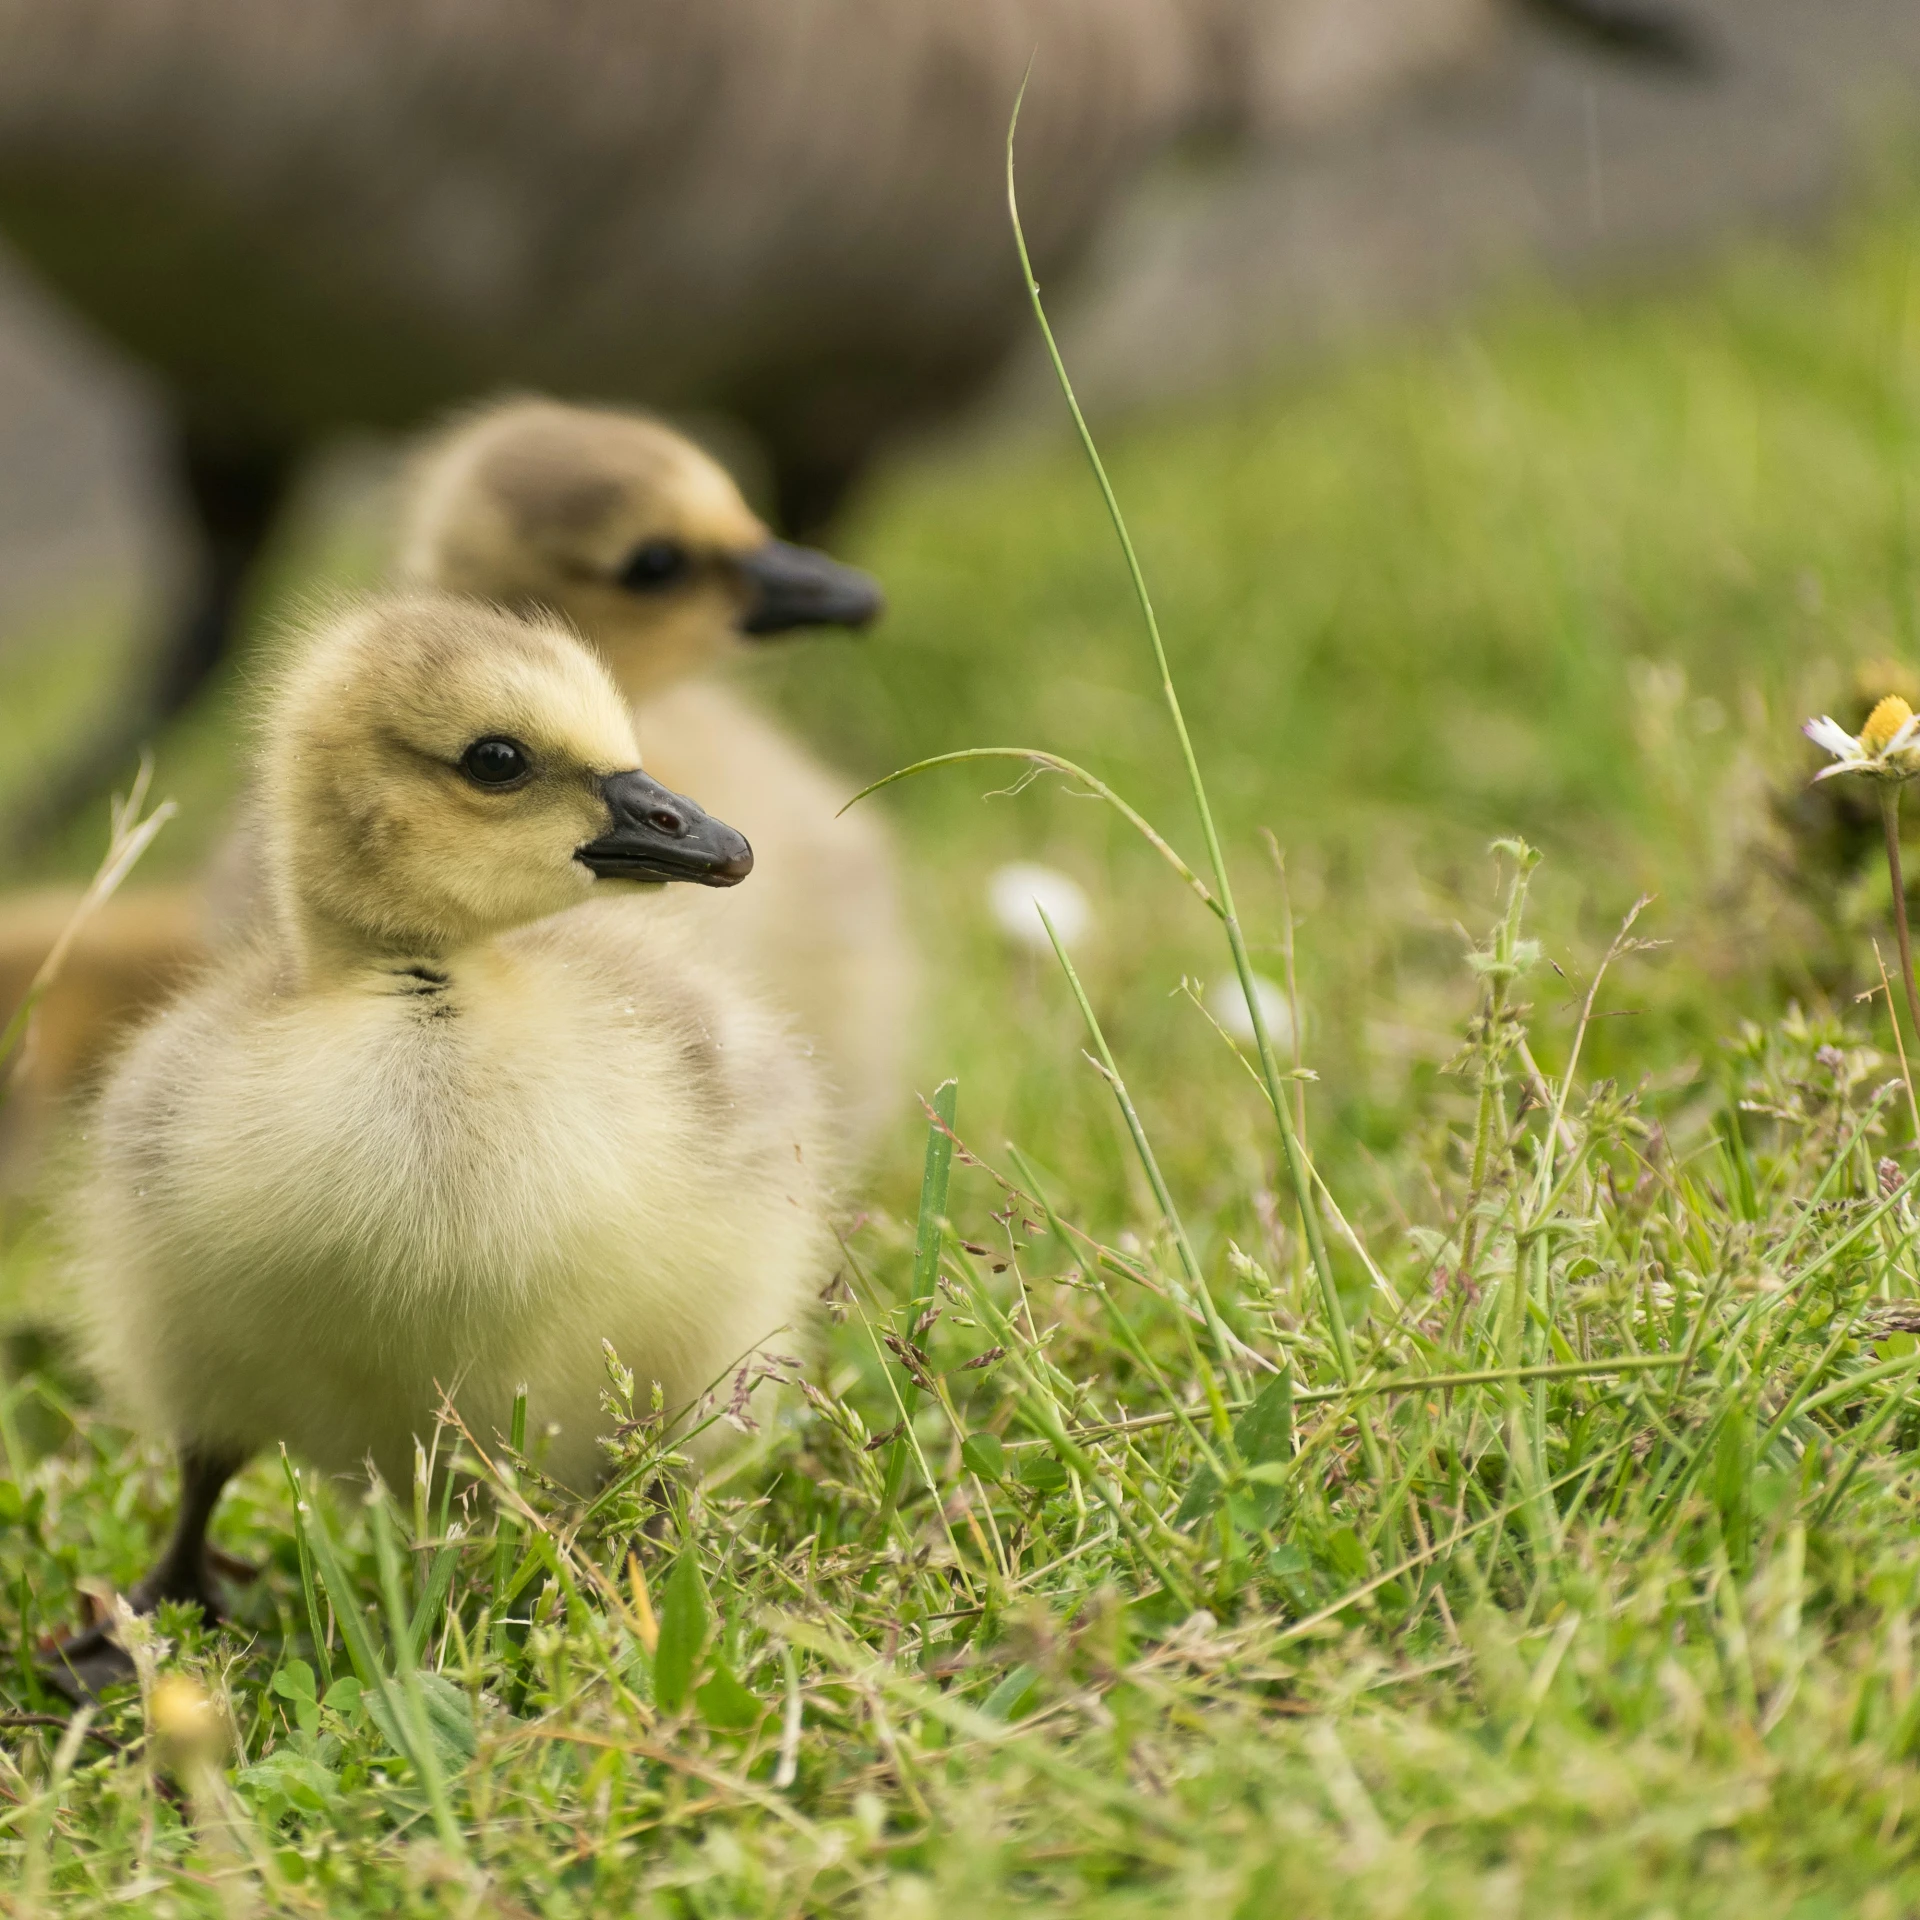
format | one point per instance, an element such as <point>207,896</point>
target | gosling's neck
<point>320,949</point>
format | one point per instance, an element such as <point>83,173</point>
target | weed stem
<point>1298,1172</point>
<point>1890,819</point>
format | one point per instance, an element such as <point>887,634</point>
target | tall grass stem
<point>1196,1282</point>
<point>1298,1171</point>
<point>935,1175</point>
<point>1890,820</point>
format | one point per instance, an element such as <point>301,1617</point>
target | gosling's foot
<point>88,1663</point>
<point>83,1667</point>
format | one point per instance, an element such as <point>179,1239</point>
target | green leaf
<point>1345,1553</point>
<point>1732,1484</point>
<point>380,1711</point>
<point>285,1779</point>
<point>1288,1562</point>
<point>1042,1472</point>
<point>725,1703</point>
<point>343,1697</point>
<point>426,1616</point>
<point>1263,1436</point>
<point>1202,1497</point>
<point>449,1718</point>
<point>986,1455</point>
<point>1264,1432</point>
<point>1009,1699</point>
<point>339,1589</point>
<point>294,1681</point>
<point>684,1620</point>
<point>303,1549</point>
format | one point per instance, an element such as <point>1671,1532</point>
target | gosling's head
<point>435,771</point>
<point>624,526</point>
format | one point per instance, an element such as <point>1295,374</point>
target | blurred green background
<point>1572,570</point>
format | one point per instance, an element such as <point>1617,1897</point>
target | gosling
<point>642,541</point>
<point>645,544</point>
<point>465,1108</point>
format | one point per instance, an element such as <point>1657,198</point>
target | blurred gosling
<point>645,544</point>
<point>641,540</point>
<point>469,1105</point>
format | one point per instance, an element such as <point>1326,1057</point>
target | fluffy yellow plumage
<point>535,504</point>
<point>462,1110</point>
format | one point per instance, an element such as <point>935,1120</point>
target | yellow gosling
<point>467,1105</point>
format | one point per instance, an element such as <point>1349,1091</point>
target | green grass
<point>1625,1629</point>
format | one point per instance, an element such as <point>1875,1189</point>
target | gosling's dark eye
<point>496,762</point>
<point>656,564</point>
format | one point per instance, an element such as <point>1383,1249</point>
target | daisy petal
<point>1829,733</point>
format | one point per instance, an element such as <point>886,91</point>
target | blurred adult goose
<point>353,213</point>
<point>467,1107</point>
<point>645,544</point>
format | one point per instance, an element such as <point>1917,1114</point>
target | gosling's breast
<point>418,1130</point>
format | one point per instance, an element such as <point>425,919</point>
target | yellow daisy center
<point>1884,722</point>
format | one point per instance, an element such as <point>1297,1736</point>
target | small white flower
<point>1016,894</point>
<point>1888,746</point>
<point>1228,1005</point>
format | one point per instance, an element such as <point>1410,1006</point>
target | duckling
<point>466,1106</point>
<point>628,528</point>
<point>644,542</point>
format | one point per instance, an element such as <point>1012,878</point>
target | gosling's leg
<point>182,1572</point>
<point>90,1662</point>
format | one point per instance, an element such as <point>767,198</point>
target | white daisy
<point>1228,1005</point>
<point>1888,746</point>
<point>1018,891</point>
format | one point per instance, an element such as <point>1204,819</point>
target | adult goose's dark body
<point>358,212</point>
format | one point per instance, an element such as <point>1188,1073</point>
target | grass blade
<point>1299,1173</point>
<point>934,1178</point>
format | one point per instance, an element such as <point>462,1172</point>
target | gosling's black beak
<point>789,586</point>
<point>658,834</point>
